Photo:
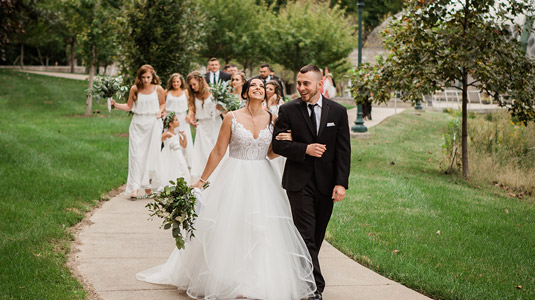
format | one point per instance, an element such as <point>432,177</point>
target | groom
<point>318,160</point>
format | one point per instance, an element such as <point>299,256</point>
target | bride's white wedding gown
<point>245,244</point>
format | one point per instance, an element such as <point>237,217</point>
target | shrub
<point>501,150</point>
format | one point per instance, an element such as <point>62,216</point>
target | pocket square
<point>331,124</point>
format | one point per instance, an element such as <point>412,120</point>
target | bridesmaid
<point>273,95</point>
<point>176,100</point>
<point>237,81</point>
<point>273,102</point>
<point>146,101</point>
<point>204,114</point>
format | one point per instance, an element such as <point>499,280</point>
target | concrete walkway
<point>58,74</point>
<point>118,241</point>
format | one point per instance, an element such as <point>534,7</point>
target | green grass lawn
<point>399,200</point>
<point>348,106</point>
<point>54,166</point>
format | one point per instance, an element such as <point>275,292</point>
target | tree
<point>166,34</point>
<point>436,45</point>
<point>309,32</point>
<point>235,30</point>
<point>69,16</point>
<point>11,18</point>
<point>98,20</point>
<point>46,33</point>
<point>374,12</point>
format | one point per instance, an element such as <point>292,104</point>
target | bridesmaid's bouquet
<point>223,96</point>
<point>107,87</point>
<point>178,205</point>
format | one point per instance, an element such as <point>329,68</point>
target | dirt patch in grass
<point>96,114</point>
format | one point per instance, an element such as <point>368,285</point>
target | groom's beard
<point>309,95</point>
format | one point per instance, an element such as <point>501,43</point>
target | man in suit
<point>318,161</point>
<point>266,75</point>
<point>214,74</point>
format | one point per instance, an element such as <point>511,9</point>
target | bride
<point>246,245</point>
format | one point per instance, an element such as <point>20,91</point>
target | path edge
<point>72,261</point>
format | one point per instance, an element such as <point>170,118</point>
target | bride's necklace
<point>252,117</point>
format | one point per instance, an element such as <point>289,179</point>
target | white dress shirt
<point>214,77</point>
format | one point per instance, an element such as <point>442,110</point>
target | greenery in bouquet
<point>176,206</point>
<point>221,91</point>
<point>109,87</point>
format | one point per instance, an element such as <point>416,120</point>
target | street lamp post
<point>526,32</point>
<point>359,123</point>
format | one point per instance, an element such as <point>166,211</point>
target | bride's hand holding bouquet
<point>178,205</point>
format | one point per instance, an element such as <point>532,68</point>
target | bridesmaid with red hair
<point>146,100</point>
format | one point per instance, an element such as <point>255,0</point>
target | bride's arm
<point>217,152</point>
<point>283,136</point>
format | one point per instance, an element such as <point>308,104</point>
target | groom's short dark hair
<point>311,68</point>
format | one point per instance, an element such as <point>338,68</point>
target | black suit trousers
<point>311,211</point>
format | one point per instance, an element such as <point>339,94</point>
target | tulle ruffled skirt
<point>245,243</point>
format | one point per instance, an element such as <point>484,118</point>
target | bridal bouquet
<point>107,87</point>
<point>178,205</point>
<point>223,96</point>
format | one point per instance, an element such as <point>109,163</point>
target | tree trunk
<point>464,126</point>
<point>46,66</point>
<point>40,56</point>
<point>89,102</point>
<point>22,55</point>
<point>71,59</point>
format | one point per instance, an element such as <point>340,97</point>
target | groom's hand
<point>316,150</point>
<point>339,192</point>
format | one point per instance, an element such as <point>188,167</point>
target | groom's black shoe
<point>316,296</point>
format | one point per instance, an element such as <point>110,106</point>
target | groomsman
<point>266,75</point>
<point>318,161</point>
<point>214,74</point>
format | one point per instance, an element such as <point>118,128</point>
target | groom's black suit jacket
<point>329,170</point>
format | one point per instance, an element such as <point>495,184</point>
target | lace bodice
<point>244,146</point>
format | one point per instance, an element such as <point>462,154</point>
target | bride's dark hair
<point>245,95</point>
<point>245,89</point>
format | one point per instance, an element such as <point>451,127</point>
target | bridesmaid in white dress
<point>205,115</point>
<point>176,101</point>
<point>237,81</point>
<point>246,245</point>
<point>274,101</point>
<point>146,101</point>
<point>174,164</point>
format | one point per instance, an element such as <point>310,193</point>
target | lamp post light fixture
<point>359,122</point>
